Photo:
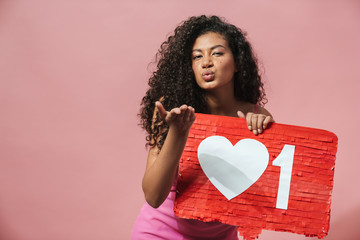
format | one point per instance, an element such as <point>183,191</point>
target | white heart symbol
<point>232,169</point>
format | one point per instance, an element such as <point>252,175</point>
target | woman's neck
<point>222,104</point>
<point>222,101</point>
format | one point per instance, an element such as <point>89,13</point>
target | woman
<point>207,66</point>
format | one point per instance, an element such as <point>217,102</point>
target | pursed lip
<point>208,75</point>
<point>207,72</point>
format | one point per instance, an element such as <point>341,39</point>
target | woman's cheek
<point>194,68</point>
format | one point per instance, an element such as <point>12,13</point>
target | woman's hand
<point>180,118</point>
<point>256,123</point>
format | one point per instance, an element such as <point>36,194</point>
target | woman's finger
<point>192,114</point>
<point>172,115</point>
<point>183,107</point>
<point>182,115</point>
<point>162,112</point>
<point>187,115</point>
<point>267,120</point>
<point>249,120</point>
<point>175,111</point>
<point>240,114</point>
<point>254,121</point>
<point>260,121</point>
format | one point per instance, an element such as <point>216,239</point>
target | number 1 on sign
<point>285,162</point>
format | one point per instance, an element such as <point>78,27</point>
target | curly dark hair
<point>173,83</point>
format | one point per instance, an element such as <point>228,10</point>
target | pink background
<point>72,74</point>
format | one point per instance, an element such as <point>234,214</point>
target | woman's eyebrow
<point>212,48</point>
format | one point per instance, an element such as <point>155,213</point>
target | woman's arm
<point>162,164</point>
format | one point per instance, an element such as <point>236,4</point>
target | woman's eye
<point>218,53</point>
<point>196,57</point>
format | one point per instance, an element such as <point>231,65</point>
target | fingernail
<point>255,132</point>
<point>249,127</point>
<point>259,130</point>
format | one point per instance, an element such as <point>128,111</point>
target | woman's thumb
<point>240,114</point>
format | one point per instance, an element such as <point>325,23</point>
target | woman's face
<point>212,62</point>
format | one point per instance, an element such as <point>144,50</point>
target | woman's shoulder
<point>261,110</point>
<point>247,107</point>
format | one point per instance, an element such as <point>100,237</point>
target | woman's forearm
<point>160,173</point>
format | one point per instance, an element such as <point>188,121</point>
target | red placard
<point>309,198</point>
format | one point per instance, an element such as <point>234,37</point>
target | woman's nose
<point>207,62</point>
